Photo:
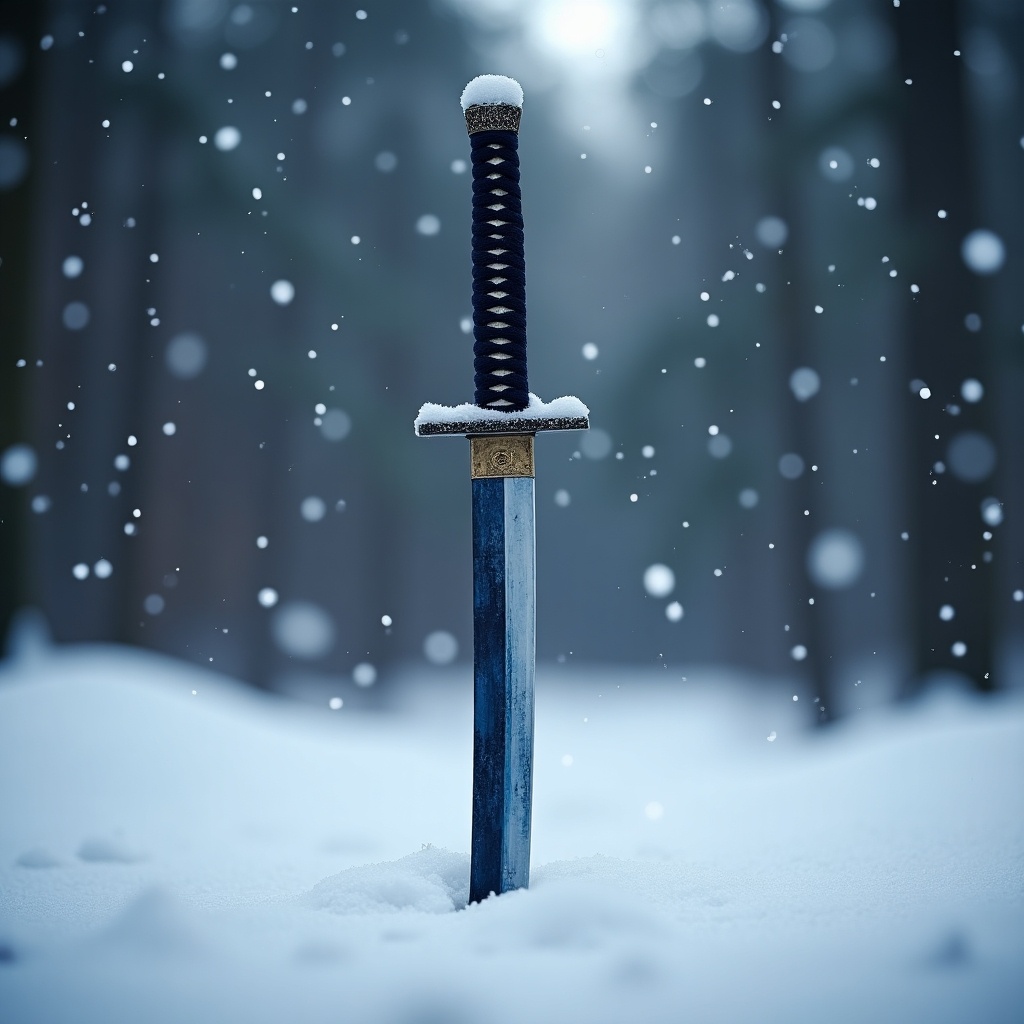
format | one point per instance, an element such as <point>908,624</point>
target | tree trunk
<point>951,454</point>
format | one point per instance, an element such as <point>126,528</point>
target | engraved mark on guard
<point>501,455</point>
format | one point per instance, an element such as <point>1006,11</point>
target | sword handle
<point>499,263</point>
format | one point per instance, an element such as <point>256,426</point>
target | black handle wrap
<point>499,273</point>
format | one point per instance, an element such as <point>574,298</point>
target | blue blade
<point>504,622</point>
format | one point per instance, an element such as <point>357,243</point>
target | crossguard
<point>499,263</point>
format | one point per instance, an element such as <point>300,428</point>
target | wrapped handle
<point>499,265</point>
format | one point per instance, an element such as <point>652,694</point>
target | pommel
<point>488,117</point>
<point>492,103</point>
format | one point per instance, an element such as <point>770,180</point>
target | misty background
<point>775,247</point>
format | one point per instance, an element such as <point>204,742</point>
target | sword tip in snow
<point>501,425</point>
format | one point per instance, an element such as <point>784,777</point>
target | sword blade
<point>504,628</point>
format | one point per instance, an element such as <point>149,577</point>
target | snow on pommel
<point>486,89</point>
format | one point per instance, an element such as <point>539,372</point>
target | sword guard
<point>567,413</point>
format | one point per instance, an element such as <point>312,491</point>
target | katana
<point>501,424</point>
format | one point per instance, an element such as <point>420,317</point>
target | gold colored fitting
<point>501,455</point>
<point>486,117</point>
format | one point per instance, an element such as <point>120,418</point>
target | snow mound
<point>432,881</point>
<point>492,89</point>
<point>38,857</point>
<point>153,925</point>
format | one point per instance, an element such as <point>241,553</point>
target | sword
<point>501,424</point>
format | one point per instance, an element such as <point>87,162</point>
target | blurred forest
<point>775,247</point>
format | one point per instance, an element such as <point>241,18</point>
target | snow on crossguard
<point>500,425</point>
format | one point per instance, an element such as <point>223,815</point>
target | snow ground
<point>170,856</point>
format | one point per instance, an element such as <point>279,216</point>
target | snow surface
<point>174,847</point>
<point>559,408</point>
<point>492,89</point>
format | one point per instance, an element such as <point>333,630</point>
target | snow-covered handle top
<point>493,105</point>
